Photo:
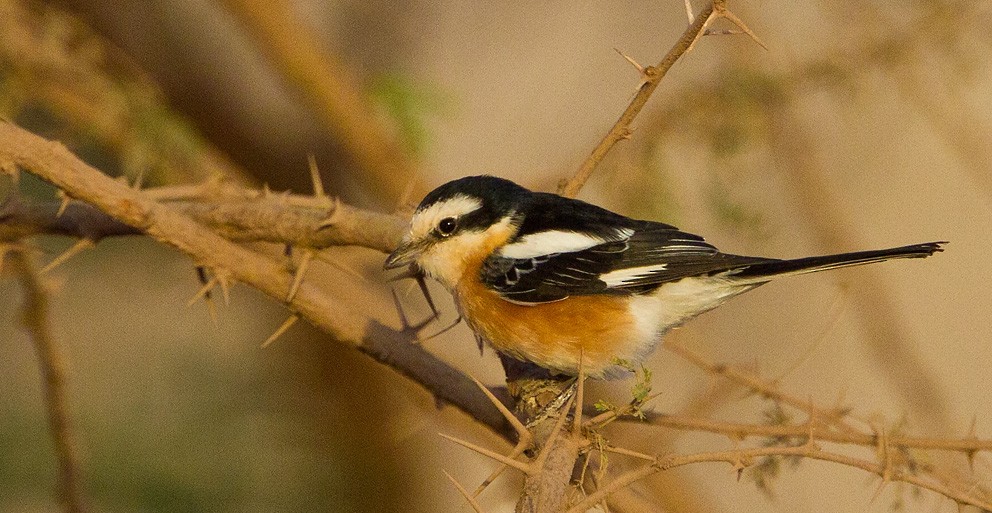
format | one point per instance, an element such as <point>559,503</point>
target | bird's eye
<point>447,226</point>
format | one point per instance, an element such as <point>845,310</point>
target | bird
<point>563,284</point>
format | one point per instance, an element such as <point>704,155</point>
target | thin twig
<point>652,76</point>
<point>52,364</point>
<point>760,386</point>
<point>736,430</point>
<point>745,457</point>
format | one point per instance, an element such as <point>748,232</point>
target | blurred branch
<point>741,459</point>
<point>943,28</point>
<point>54,163</point>
<point>98,96</point>
<point>333,92</point>
<point>51,362</point>
<point>770,390</point>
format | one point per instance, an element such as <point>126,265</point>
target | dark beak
<point>404,255</point>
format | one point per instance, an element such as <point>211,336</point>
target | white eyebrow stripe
<point>557,241</point>
<point>426,219</point>
<point>622,276</point>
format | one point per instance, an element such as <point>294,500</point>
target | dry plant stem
<point>54,163</point>
<point>760,386</point>
<point>331,90</point>
<point>621,129</point>
<point>52,364</point>
<point>968,445</point>
<point>740,431</point>
<point>743,458</point>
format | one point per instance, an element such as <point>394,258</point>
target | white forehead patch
<point>426,220</point>
<point>558,241</point>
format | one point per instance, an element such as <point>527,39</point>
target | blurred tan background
<point>865,125</point>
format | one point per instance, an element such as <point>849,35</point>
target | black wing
<point>648,255</point>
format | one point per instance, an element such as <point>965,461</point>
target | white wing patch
<point>620,277</point>
<point>557,241</point>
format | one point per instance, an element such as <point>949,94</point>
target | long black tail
<point>764,271</point>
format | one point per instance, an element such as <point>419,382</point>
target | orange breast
<point>553,334</point>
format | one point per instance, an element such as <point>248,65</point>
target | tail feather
<point>764,271</point>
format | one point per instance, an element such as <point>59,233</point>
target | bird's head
<point>460,223</point>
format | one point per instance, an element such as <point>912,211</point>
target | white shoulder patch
<point>620,277</point>
<point>557,241</point>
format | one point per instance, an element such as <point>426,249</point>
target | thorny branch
<point>235,213</point>
<point>651,77</point>
<point>743,458</point>
<point>204,221</point>
<point>34,317</point>
<point>55,164</point>
<point>737,430</point>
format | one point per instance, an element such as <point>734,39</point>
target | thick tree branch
<point>239,215</point>
<point>54,163</point>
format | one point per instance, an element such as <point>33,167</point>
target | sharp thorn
<point>519,465</point>
<point>635,64</point>
<point>301,271</point>
<point>318,185</point>
<point>64,201</point>
<point>628,452</point>
<point>204,291</point>
<point>211,309</point>
<point>461,489</point>
<point>517,451</point>
<point>740,24</point>
<point>288,323</point>
<point>80,246</point>
<point>225,287</point>
<point>518,426</point>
